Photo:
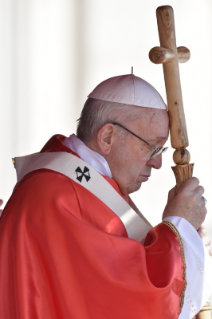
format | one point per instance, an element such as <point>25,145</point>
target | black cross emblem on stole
<point>81,173</point>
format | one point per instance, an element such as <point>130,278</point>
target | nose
<point>155,162</point>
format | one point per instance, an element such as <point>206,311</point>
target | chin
<point>135,188</point>
<point>130,188</point>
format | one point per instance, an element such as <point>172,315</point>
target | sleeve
<point>56,265</point>
<point>198,264</point>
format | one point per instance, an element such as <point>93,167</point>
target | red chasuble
<point>65,255</point>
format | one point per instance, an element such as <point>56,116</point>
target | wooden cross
<point>169,55</point>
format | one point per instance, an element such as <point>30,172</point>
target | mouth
<point>144,177</point>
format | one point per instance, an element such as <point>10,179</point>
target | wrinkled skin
<point>187,203</point>
<point>130,163</point>
<point>129,157</point>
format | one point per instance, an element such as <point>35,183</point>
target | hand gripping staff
<point>169,55</point>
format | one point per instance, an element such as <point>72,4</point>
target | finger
<point>1,202</point>
<point>203,212</point>
<point>172,194</point>
<point>206,240</point>
<point>202,231</point>
<point>204,201</point>
<point>190,185</point>
<point>199,191</point>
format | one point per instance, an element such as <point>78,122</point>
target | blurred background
<point>54,52</point>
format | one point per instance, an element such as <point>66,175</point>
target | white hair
<point>96,113</point>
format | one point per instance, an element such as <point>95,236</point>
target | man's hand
<point>187,203</point>
<point>202,231</point>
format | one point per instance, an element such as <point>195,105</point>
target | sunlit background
<point>54,52</point>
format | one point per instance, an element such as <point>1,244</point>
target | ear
<point>105,138</point>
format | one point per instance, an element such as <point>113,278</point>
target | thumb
<point>171,194</point>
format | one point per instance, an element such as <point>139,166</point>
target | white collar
<point>97,161</point>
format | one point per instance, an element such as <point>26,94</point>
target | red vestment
<point>65,255</point>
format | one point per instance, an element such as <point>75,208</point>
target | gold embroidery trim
<point>13,160</point>
<point>175,230</point>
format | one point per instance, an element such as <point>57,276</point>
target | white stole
<point>82,173</point>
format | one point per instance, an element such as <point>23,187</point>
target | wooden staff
<point>169,55</point>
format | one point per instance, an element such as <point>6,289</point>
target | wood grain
<point>160,55</point>
<point>183,54</point>
<point>170,55</point>
<point>166,28</point>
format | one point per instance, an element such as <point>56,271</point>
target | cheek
<point>126,169</point>
<point>128,161</point>
<point>134,165</point>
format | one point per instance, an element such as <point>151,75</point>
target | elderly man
<point>71,246</point>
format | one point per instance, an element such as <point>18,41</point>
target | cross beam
<point>169,55</point>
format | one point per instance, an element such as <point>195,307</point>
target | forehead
<point>152,123</point>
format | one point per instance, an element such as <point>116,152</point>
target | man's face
<point>129,159</point>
